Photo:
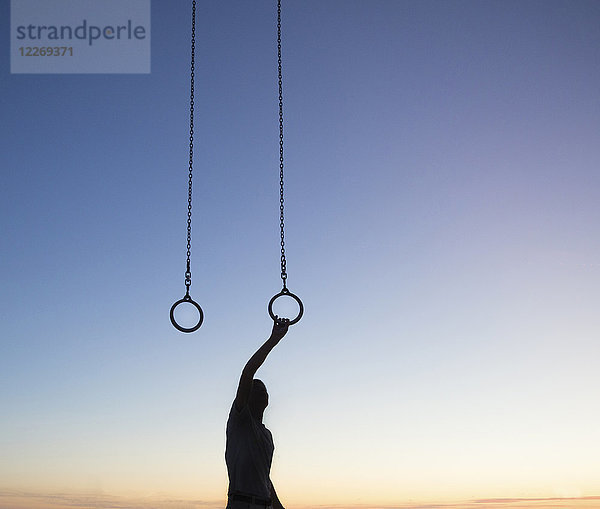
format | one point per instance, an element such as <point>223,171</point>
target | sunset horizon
<point>17,499</point>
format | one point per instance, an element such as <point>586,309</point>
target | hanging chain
<point>284,291</point>
<point>281,196</point>
<point>188,272</point>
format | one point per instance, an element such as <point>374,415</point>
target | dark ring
<point>189,300</point>
<point>289,294</point>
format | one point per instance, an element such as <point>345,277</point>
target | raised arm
<point>280,328</point>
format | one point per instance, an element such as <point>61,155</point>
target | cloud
<point>591,502</point>
<point>531,500</point>
<point>12,499</point>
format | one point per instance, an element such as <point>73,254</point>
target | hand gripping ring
<point>285,291</point>
<point>189,300</point>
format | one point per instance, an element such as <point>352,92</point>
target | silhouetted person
<point>249,449</point>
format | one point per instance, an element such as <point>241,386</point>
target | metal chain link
<point>284,291</point>
<point>188,272</point>
<point>281,195</point>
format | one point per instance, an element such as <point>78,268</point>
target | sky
<point>442,192</point>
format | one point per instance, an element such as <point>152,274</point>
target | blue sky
<point>442,209</point>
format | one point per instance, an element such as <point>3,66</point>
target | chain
<point>281,196</point>
<point>188,272</point>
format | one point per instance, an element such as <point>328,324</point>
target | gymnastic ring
<point>189,300</point>
<point>285,291</point>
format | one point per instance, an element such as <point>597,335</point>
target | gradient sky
<point>443,190</point>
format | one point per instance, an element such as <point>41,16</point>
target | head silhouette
<point>259,397</point>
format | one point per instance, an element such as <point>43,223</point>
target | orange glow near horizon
<point>29,500</point>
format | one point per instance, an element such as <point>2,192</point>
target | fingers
<point>282,322</point>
